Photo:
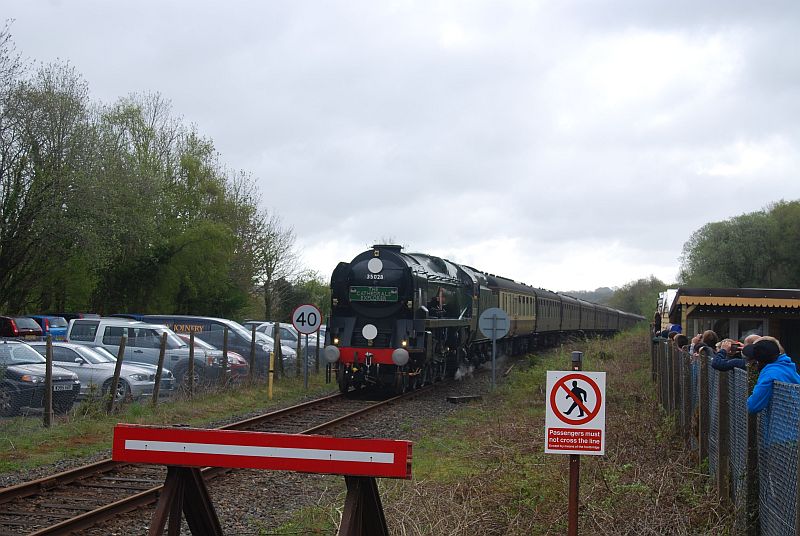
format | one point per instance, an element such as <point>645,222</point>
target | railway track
<point>83,497</point>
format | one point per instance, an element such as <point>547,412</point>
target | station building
<point>739,312</point>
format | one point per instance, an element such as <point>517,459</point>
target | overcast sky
<point>567,145</point>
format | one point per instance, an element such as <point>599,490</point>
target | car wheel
<point>123,390</point>
<point>182,376</point>
<point>8,401</point>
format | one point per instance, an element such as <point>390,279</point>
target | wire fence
<point>751,459</point>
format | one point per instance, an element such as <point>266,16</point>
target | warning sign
<point>575,421</point>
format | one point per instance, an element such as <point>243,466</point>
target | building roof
<point>735,297</point>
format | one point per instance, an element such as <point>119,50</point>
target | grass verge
<point>484,471</point>
<point>87,430</point>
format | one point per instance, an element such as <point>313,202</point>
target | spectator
<point>681,341</point>
<point>707,344</point>
<point>776,341</point>
<point>752,338</point>
<point>726,358</point>
<point>773,365</point>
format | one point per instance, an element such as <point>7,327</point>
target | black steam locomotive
<point>400,320</point>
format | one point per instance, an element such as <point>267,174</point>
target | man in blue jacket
<point>773,365</point>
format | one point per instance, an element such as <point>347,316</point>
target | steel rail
<point>91,518</point>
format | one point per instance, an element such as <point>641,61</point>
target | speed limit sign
<point>306,319</point>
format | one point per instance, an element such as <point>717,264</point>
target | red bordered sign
<point>575,419</point>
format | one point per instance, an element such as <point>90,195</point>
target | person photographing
<point>773,365</point>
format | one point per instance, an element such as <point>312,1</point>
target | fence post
<point>162,351</point>
<point>723,439</point>
<point>703,427</point>
<point>677,355</point>
<point>752,492</point>
<point>251,373</point>
<point>112,389</point>
<point>191,364</point>
<point>47,414</point>
<point>686,395</point>
<point>224,378</point>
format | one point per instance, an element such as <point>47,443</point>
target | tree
<point>757,249</point>
<point>638,297</point>
<point>276,261</point>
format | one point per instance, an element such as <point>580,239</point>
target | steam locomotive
<point>399,320</point>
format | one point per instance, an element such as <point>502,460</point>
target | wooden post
<point>703,427</point>
<point>276,333</point>
<point>752,491</point>
<point>687,399</point>
<point>723,439</point>
<point>160,369</point>
<point>190,386</point>
<point>47,413</point>
<point>224,378</point>
<point>363,512</point>
<point>316,354</point>
<point>299,357</point>
<point>271,372</point>
<point>185,491</point>
<point>112,391</point>
<point>252,371</point>
<point>574,468</point>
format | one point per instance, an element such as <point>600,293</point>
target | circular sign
<point>306,319</point>
<point>494,323</point>
<point>375,265</point>
<point>576,399</point>
<point>369,332</point>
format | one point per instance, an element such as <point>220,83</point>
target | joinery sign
<point>575,419</point>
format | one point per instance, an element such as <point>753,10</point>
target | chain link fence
<point>752,459</point>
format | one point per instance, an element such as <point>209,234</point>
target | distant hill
<point>599,295</point>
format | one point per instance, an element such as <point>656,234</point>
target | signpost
<point>306,319</point>
<point>494,324</point>
<point>575,422</point>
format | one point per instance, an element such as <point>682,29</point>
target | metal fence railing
<point>753,460</point>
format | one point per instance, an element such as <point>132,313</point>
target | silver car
<point>95,370</point>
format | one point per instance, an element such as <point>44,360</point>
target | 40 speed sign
<point>306,319</point>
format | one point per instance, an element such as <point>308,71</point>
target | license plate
<point>62,387</point>
<point>31,337</point>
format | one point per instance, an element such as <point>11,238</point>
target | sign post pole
<point>305,367</point>
<point>306,319</point>
<point>574,468</point>
<point>494,347</point>
<point>494,325</point>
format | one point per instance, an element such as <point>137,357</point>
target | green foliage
<point>122,207</point>
<point>638,296</point>
<point>758,249</point>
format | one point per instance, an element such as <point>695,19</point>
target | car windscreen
<point>105,353</point>
<point>173,341</point>
<point>19,354</point>
<point>24,322</point>
<point>57,322</point>
<point>94,355</point>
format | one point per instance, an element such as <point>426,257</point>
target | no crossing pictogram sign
<point>578,397</point>
<point>575,418</point>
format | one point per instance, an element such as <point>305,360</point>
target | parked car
<point>20,327</point>
<point>168,381</point>
<point>72,316</point>
<point>143,345</point>
<point>238,366</point>
<point>95,370</point>
<point>289,336</point>
<point>22,381</point>
<point>55,326</point>
<point>211,330</point>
